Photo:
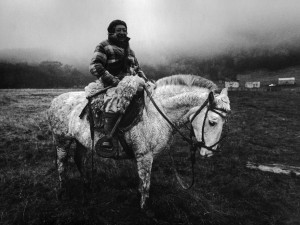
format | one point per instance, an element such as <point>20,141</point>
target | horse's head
<point>208,122</point>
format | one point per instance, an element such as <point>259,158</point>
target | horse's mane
<point>187,80</point>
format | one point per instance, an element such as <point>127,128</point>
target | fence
<point>264,89</point>
<point>248,89</point>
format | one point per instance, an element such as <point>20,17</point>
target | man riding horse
<point>113,60</point>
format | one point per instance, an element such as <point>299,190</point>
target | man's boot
<point>106,146</point>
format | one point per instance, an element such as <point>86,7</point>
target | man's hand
<point>140,82</point>
<point>115,82</point>
<point>142,75</point>
<point>109,79</point>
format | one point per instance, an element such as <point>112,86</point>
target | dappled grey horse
<point>179,97</point>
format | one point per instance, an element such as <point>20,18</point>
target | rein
<point>92,131</point>
<point>193,144</point>
<point>190,141</point>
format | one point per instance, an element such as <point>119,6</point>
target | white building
<point>231,84</point>
<point>287,80</point>
<point>252,84</point>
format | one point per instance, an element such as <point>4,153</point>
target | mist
<point>69,30</point>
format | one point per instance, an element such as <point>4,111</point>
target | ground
<point>263,128</point>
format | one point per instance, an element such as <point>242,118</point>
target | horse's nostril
<point>205,153</point>
<point>209,155</point>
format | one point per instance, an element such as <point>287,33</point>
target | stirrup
<point>104,150</point>
<point>109,151</point>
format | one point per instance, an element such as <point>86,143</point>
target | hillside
<point>234,62</point>
<point>267,77</point>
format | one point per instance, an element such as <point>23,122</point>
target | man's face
<point>121,32</point>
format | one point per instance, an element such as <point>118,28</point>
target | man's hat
<point>113,24</point>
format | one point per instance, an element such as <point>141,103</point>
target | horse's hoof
<point>84,200</point>
<point>87,186</point>
<point>149,213</point>
<point>60,193</point>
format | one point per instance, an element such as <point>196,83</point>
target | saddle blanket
<point>114,100</point>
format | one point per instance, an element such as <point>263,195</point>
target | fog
<point>159,29</point>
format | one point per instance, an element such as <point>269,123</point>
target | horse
<point>181,99</point>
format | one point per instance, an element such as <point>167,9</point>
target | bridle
<point>190,140</point>
<point>194,144</point>
<point>202,144</point>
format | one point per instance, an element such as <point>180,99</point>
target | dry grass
<point>264,128</point>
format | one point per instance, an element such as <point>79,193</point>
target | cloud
<point>158,28</point>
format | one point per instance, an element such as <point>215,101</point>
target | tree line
<point>228,65</point>
<point>47,74</point>
<point>54,74</point>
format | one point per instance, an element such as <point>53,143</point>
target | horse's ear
<point>211,98</point>
<point>224,92</point>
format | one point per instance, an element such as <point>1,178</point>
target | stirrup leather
<point>107,146</point>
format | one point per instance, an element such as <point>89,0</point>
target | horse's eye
<point>212,123</point>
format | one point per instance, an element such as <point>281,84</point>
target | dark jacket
<point>112,57</point>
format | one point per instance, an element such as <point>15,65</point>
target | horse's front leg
<point>62,151</point>
<point>80,159</point>
<point>144,164</point>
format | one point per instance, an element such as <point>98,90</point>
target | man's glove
<point>109,79</point>
<point>115,82</point>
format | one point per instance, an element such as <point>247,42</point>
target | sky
<point>158,28</point>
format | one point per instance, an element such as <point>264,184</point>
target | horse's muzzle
<point>205,153</point>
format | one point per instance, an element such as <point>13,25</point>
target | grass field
<point>263,128</point>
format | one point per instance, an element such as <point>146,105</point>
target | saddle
<point>132,116</point>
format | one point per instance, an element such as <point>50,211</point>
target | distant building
<point>286,81</point>
<point>231,84</point>
<point>252,84</point>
